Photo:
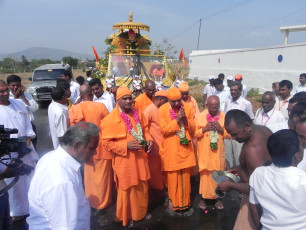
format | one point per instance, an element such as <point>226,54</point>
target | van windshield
<point>48,74</point>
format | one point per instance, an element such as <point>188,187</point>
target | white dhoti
<point>232,153</point>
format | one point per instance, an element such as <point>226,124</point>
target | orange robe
<point>209,160</point>
<point>193,105</point>
<point>195,109</point>
<point>98,173</point>
<point>141,102</point>
<point>151,115</point>
<point>131,170</point>
<point>177,159</point>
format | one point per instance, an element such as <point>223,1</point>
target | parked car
<point>44,80</point>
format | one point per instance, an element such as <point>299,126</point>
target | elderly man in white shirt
<point>56,194</point>
<point>269,116</point>
<point>14,115</point>
<point>277,192</point>
<point>102,96</point>
<point>58,115</point>
<point>224,95</point>
<point>232,147</point>
<point>301,87</point>
<point>74,87</point>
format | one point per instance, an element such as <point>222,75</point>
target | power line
<point>261,26</point>
<point>238,4</point>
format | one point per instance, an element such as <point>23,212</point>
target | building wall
<point>258,67</point>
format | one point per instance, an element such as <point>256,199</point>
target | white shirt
<point>282,105</point>
<point>244,91</point>
<point>107,99</point>
<point>224,96</point>
<point>300,88</point>
<point>241,104</point>
<point>58,121</point>
<point>302,164</point>
<point>75,91</point>
<point>273,119</point>
<point>56,195</point>
<point>33,107</point>
<point>281,193</point>
<point>209,90</point>
<point>13,116</point>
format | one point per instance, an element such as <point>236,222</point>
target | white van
<point>44,80</point>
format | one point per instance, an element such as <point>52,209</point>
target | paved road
<point>161,220</point>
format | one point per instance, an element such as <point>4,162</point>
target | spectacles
<point>5,90</point>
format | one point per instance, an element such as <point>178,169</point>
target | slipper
<point>219,205</point>
<point>202,205</point>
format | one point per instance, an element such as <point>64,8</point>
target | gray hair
<point>80,134</point>
<point>269,93</point>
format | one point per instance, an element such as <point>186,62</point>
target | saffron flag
<point>96,55</point>
<point>182,57</point>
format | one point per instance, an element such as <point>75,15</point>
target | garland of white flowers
<point>182,132</point>
<point>213,134</point>
<point>137,135</point>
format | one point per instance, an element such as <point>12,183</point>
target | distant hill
<point>46,53</point>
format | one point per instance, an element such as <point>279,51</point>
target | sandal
<point>202,205</point>
<point>219,205</point>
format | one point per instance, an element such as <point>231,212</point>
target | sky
<point>76,25</point>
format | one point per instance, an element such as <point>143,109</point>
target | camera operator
<point>5,172</point>
<point>14,115</point>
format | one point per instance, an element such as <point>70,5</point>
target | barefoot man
<point>254,153</point>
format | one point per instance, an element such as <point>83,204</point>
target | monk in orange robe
<point>184,88</point>
<point>125,134</point>
<point>177,155</point>
<point>98,172</point>
<point>151,114</point>
<point>145,99</point>
<point>210,156</point>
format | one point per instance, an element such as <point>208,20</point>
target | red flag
<point>96,55</point>
<point>182,57</point>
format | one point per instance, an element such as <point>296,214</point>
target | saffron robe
<point>157,179</point>
<point>209,160</point>
<point>131,170</point>
<point>142,102</point>
<point>98,172</point>
<point>177,159</point>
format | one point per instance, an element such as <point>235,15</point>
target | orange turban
<point>238,77</point>
<point>122,91</point>
<point>174,94</point>
<point>161,93</point>
<point>184,87</point>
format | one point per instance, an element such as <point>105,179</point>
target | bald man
<point>145,99</point>
<point>98,173</point>
<point>210,157</point>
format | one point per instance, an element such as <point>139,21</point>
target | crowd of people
<point>156,142</point>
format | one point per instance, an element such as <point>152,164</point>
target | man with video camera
<point>14,115</point>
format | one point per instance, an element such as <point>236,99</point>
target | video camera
<point>9,145</point>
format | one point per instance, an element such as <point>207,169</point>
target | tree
<point>166,48</point>
<point>24,64</point>
<point>73,62</point>
<point>9,63</point>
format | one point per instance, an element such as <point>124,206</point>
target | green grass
<point>195,81</point>
<point>255,94</point>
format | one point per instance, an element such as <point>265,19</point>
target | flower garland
<point>213,134</point>
<point>137,135</point>
<point>182,132</point>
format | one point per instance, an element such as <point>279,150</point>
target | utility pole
<point>199,34</point>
